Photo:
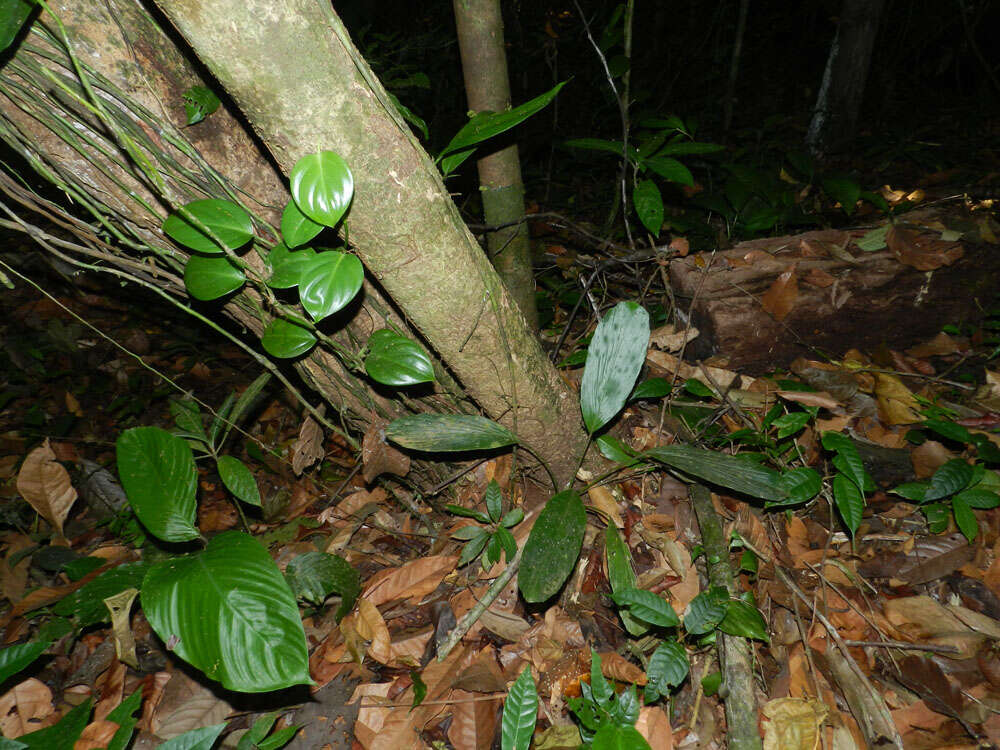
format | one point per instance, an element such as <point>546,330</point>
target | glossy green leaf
<point>199,103</point>
<point>621,576</point>
<point>847,460</point>
<point>669,169</point>
<point>458,510</point>
<point>322,186</point>
<point>238,479</point>
<point>196,739</point>
<point>618,737</point>
<point>937,515</point>
<point>15,658</point>
<point>448,433</point>
<point>668,667</point>
<point>494,501</point>
<point>965,517</point>
<point>849,501</point>
<point>553,547</point>
<point>951,477</point>
<point>396,360</point>
<point>285,339</point>
<point>951,430</point>
<point>744,620</point>
<point>512,519</point>
<point>789,424</point>
<point>229,612</point>
<point>297,228</point>
<point>288,266</point>
<point>315,575</point>
<point>733,472</point>
<point>63,734</point>
<point>13,15</point>
<point>706,610</point>
<point>914,491</point>
<point>506,541</point>
<point>86,605</point>
<point>158,474</point>
<point>977,498</point>
<point>465,533</point>
<point>210,226</point>
<point>485,125</point>
<point>477,543</point>
<point>520,712</point>
<point>614,358</point>
<point>651,388</point>
<point>801,483</point>
<point>615,450</point>
<point>208,278</point>
<point>649,206</point>
<point>647,606</point>
<point>122,715</point>
<point>330,282</point>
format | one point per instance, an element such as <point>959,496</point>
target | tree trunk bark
<point>117,148</point>
<point>487,88</point>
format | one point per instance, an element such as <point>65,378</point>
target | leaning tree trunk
<point>487,87</point>
<point>114,145</point>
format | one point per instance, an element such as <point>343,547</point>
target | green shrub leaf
<point>553,547</point>
<point>199,102</point>
<point>706,610</point>
<point>621,576</point>
<point>396,360</point>
<point>520,711</point>
<point>13,14</point>
<point>196,739</point>
<point>63,734</point>
<point>15,658</point>
<point>229,612</point>
<point>297,228</point>
<point>744,620</point>
<point>210,226</point>
<point>801,483</point>
<point>669,169</point>
<point>849,501</point>
<point>212,277</point>
<point>614,358</point>
<point>322,186</point>
<point>285,339</point>
<point>733,472</point>
<point>86,604</point>
<point>330,282</point>
<point>668,667</point>
<point>950,478</point>
<point>448,433</point>
<point>315,575</point>
<point>238,479</point>
<point>647,606</point>
<point>649,206</point>
<point>288,266</point>
<point>158,473</point>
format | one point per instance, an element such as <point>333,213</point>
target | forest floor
<point>879,605</point>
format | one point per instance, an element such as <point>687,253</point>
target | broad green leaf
<point>965,518</point>
<point>789,424</point>
<point>196,739</point>
<point>212,277</point>
<point>506,541</point>
<point>465,533</point>
<point>801,483</point>
<point>647,606</point>
<point>849,500</point>
<point>668,667</point>
<point>210,226</point>
<point>621,576</point>
<point>297,228</point>
<point>617,737</point>
<point>322,186</point>
<point>158,473</point>
<point>288,266</point>
<point>706,610</point>
<point>285,339</point>
<point>937,515</point>
<point>315,575</point>
<point>687,148</point>
<point>614,358</point>
<point>229,612</point>
<point>63,734</point>
<point>949,429</point>
<point>122,716</point>
<point>475,545</point>
<point>257,732</point>
<point>512,519</point>
<point>615,450</point>
<point>330,282</point>
<point>914,491</point>
<point>744,620</point>
<point>448,433</point>
<point>711,683</point>
<point>651,388</point>
<point>978,498</point>
<point>396,360</point>
<point>669,169</point>
<point>199,102</point>
<point>494,501</point>
<point>649,206</point>
<point>419,688</point>
<point>86,604</point>
<point>15,658</point>
<point>843,190</point>
<point>553,547</point>
<point>732,472</point>
<point>13,15</point>
<point>520,711</point>
<point>485,125</point>
<point>238,479</point>
<point>951,477</point>
<point>850,460</point>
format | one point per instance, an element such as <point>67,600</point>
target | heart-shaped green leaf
<point>322,186</point>
<point>285,339</point>
<point>238,479</point>
<point>331,280</point>
<point>614,358</point>
<point>228,611</point>
<point>208,278</point>
<point>287,266</point>
<point>396,360</point>
<point>210,226</point>
<point>553,547</point>
<point>158,473</point>
<point>448,433</point>
<point>297,228</point>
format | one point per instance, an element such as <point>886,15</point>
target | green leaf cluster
<point>490,541</point>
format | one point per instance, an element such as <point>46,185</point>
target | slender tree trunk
<point>118,149</point>
<point>487,88</point>
<point>734,66</point>
<point>835,117</point>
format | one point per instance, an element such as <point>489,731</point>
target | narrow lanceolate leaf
<point>448,433</point>
<point>238,479</point>
<point>849,501</point>
<point>396,360</point>
<point>208,278</point>
<point>158,473</point>
<point>520,712</point>
<point>15,658</point>
<point>322,186</point>
<point>297,228</point>
<point>848,459</point>
<point>285,339</point>
<point>621,576</point>
<point>331,280</point>
<point>553,547</point>
<point>229,612</point>
<point>210,226</point>
<point>614,358</point>
<point>732,472</point>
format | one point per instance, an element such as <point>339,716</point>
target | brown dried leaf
<point>812,398</point>
<point>308,448</point>
<point>922,250</point>
<point>928,457</point>
<point>604,501</point>
<point>14,578</point>
<point>483,675</point>
<point>819,278</point>
<point>23,707</point>
<point>96,735</point>
<point>670,339</point>
<point>187,705</point>
<point>378,456</point>
<point>371,626</point>
<point>924,677</point>
<point>46,486</point>
<point>896,404</point>
<point>616,667</point>
<point>938,346</point>
<point>793,723</point>
<point>473,721</point>
<point>654,726</point>
<point>414,580</point>
<point>780,298</point>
